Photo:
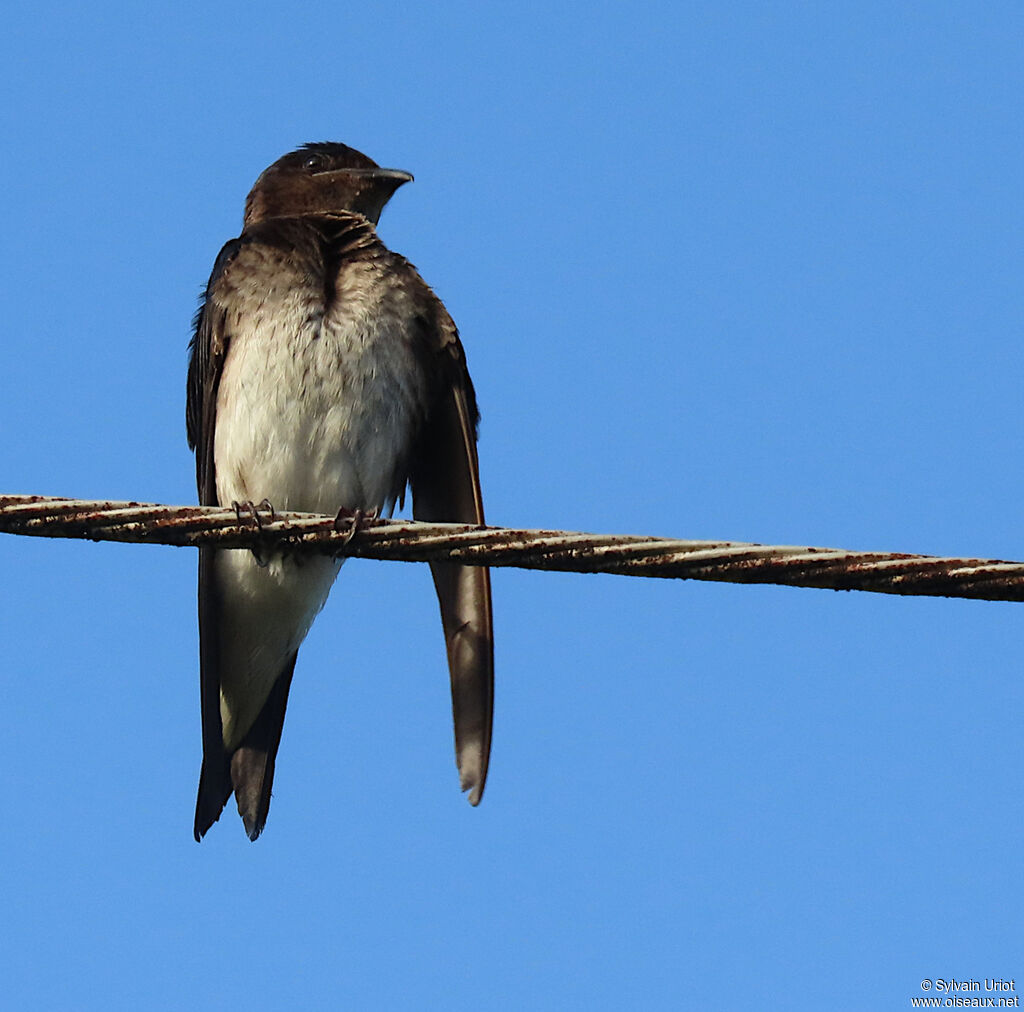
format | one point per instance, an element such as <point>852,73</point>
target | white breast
<point>315,411</point>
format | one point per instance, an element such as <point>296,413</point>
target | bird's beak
<point>395,176</point>
<point>398,175</point>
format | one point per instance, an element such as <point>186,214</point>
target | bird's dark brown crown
<point>322,178</point>
<point>324,155</point>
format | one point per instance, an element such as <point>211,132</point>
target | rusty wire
<point>565,551</point>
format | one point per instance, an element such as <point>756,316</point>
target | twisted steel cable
<point>564,551</point>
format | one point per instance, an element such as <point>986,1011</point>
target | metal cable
<point>565,551</point>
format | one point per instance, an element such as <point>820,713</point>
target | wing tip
<point>212,796</point>
<point>202,826</point>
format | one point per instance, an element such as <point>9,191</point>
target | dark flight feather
<point>446,488</point>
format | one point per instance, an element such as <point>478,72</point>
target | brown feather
<point>446,487</point>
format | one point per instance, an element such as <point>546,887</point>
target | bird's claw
<point>253,509</point>
<point>353,520</point>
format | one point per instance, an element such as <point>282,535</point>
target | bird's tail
<point>249,770</point>
<point>252,764</point>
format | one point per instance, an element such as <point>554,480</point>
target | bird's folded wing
<point>446,487</point>
<point>209,348</point>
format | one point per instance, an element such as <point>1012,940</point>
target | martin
<point>325,376</point>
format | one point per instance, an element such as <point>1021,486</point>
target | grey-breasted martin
<point>324,375</point>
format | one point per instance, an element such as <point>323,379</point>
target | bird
<point>324,376</point>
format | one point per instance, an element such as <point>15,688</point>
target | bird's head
<point>320,178</point>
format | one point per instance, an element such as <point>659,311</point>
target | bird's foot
<point>253,509</point>
<point>351,522</point>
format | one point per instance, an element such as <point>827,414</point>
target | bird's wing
<point>445,484</point>
<point>207,351</point>
<point>209,348</point>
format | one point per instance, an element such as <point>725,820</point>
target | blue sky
<point>722,270</point>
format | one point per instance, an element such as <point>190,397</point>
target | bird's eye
<point>313,162</point>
